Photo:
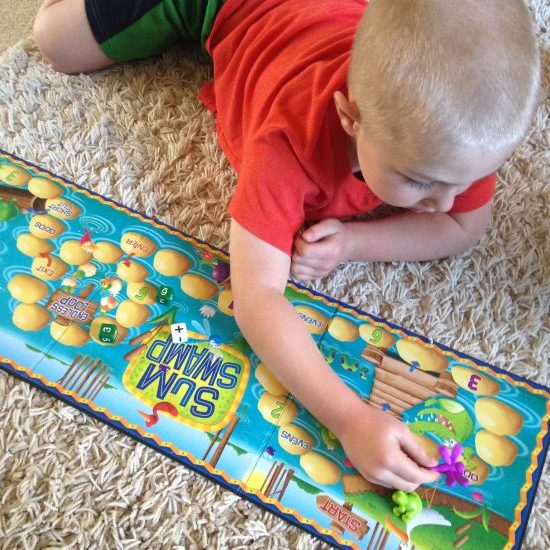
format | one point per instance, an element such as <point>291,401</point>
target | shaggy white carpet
<point>138,134</point>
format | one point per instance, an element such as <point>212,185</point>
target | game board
<point>131,321</point>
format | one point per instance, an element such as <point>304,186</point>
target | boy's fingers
<point>320,230</point>
<point>305,272</point>
<point>311,253</point>
<point>299,245</point>
<point>307,249</point>
<point>311,260</point>
<point>395,481</point>
<point>410,472</point>
<point>412,447</point>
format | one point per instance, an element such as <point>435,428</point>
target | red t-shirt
<point>277,64</point>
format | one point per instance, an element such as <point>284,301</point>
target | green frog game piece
<point>8,209</point>
<point>408,506</point>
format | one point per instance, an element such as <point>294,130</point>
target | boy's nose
<point>441,203</point>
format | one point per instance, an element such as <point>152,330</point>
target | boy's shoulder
<point>277,65</point>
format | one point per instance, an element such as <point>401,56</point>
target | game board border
<point>523,509</point>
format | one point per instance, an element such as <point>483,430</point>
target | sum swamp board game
<point>131,321</point>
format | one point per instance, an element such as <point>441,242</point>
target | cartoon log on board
<point>21,198</point>
<point>400,385</point>
<point>42,195</point>
<point>13,198</point>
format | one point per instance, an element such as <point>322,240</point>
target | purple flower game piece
<point>452,468</point>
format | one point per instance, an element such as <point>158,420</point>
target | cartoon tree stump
<point>379,538</point>
<point>223,442</point>
<point>85,376</point>
<point>277,481</point>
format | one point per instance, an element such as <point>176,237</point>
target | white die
<point>179,333</point>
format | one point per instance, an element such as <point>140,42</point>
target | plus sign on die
<point>179,333</point>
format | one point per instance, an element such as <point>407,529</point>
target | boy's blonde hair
<point>430,75</point>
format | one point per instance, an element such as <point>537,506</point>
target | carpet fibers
<point>138,134</point>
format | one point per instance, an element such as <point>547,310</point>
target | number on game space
<point>376,336</point>
<point>278,409</point>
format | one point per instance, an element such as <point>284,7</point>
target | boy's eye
<point>420,184</point>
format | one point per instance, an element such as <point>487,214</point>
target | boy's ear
<point>348,111</point>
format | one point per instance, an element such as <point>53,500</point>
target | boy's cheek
<point>399,198</point>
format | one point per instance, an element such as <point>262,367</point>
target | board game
<point>131,321</point>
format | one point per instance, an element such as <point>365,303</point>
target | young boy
<point>436,95</point>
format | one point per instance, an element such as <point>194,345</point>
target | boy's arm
<point>259,274</point>
<point>406,236</point>
<point>416,237</point>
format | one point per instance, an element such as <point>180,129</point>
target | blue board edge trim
<point>531,493</point>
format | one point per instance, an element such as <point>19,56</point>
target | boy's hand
<point>384,450</point>
<point>319,249</point>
